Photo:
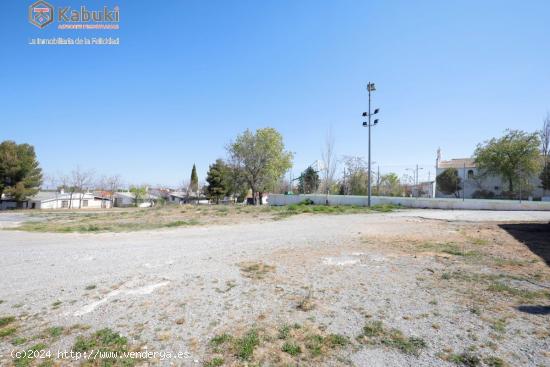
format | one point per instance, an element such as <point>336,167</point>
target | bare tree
<point>185,186</point>
<point>329,163</point>
<point>80,181</point>
<point>545,150</point>
<point>49,181</point>
<point>65,186</point>
<point>356,175</point>
<point>111,184</point>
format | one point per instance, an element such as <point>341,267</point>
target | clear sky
<point>189,76</point>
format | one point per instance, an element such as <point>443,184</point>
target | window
<point>84,203</point>
<point>65,203</point>
<point>470,174</point>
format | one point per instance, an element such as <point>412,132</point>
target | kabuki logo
<point>41,14</point>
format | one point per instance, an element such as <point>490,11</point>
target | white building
<point>486,186</point>
<point>58,200</point>
<point>127,199</point>
<point>182,197</point>
<point>177,197</point>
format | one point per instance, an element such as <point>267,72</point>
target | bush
<point>292,349</point>
<point>306,202</point>
<point>483,194</point>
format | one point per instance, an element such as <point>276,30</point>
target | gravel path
<point>175,289</point>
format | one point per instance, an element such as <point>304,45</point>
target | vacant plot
<point>171,216</point>
<point>368,289</point>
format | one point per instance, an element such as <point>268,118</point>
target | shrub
<point>291,348</point>
<point>483,194</point>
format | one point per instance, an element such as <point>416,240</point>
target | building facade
<point>478,186</point>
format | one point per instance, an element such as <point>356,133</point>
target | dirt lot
<point>407,288</point>
<point>169,216</point>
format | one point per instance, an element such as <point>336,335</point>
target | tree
<point>390,184</point>
<point>80,182</point>
<point>329,161</point>
<point>545,150</point>
<point>513,157</point>
<point>545,177</point>
<point>236,184</point>
<point>218,178</point>
<point>356,176</point>
<point>194,181</point>
<point>260,158</point>
<point>111,184</point>
<point>20,173</point>
<point>448,182</point>
<point>308,181</point>
<point>139,193</point>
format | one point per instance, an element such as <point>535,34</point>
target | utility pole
<point>370,88</point>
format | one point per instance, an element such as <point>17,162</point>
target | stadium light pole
<point>370,88</point>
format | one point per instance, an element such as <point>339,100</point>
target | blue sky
<point>190,75</point>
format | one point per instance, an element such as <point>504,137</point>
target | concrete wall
<point>437,203</point>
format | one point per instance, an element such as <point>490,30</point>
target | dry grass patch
<point>109,342</point>
<point>282,346</point>
<point>307,303</point>
<point>6,326</point>
<point>6,320</point>
<point>169,216</point>
<point>375,333</point>
<point>255,270</point>
<point>451,248</point>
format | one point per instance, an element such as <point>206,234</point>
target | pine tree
<point>308,181</point>
<point>20,173</point>
<point>218,180</point>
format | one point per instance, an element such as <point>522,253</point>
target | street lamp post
<point>370,88</point>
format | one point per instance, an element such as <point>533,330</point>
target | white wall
<point>438,203</point>
<point>76,203</point>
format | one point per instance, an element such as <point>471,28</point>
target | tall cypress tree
<point>194,186</point>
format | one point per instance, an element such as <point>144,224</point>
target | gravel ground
<point>173,290</point>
